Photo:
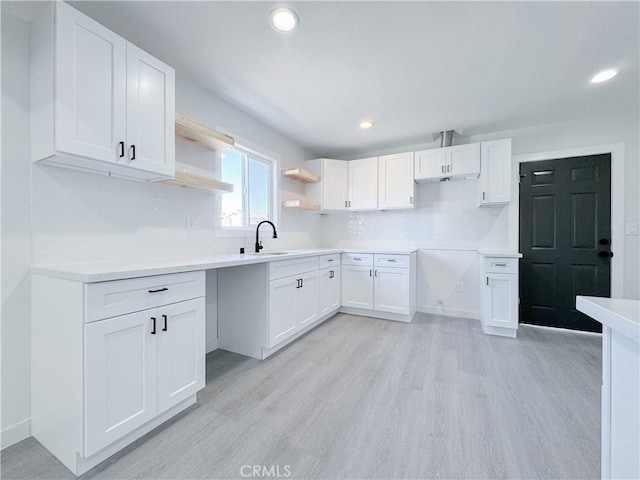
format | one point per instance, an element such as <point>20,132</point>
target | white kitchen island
<point>620,383</point>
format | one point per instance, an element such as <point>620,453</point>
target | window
<point>252,198</point>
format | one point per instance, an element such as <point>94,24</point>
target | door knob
<point>604,254</point>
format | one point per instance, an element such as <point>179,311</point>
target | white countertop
<point>106,271</point>
<point>622,316</point>
<point>486,253</point>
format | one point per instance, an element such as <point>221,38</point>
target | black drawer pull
<point>159,290</point>
<point>153,329</point>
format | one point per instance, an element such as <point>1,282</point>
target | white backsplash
<point>446,216</point>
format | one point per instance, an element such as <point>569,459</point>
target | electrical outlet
<point>440,301</point>
<point>459,287</point>
<point>193,222</point>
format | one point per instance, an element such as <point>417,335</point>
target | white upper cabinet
<point>335,184</point>
<point>150,113</point>
<point>332,192</point>
<point>396,181</point>
<point>495,173</point>
<point>90,87</point>
<point>462,161</point>
<point>459,161</point>
<point>429,165</point>
<point>363,184</point>
<point>98,103</point>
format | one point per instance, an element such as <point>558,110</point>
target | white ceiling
<point>413,67</point>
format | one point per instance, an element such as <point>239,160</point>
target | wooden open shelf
<point>198,182</point>
<point>301,175</point>
<point>207,137</point>
<point>300,205</point>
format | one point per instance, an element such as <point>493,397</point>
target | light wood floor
<point>364,398</point>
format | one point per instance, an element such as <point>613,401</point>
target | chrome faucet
<point>258,242</point>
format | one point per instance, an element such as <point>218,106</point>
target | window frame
<point>247,229</point>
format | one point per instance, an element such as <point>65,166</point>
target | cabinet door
<point>335,184</point>
<point>90,87</point>
<point>429,164</point>
<point>391,290</point>
<point>324,284</point>
<point>282,322</point>
<point>363,184</point>
<point>120,377</point>
<point>357,286</point>
<point>306,303</point>
<point>500,300</point>
<point>334,290</point>
<point>463,160</point>
<point>150,113</point>
<point>495,172</point>
<point>396,182</point>
<point>181,351</point>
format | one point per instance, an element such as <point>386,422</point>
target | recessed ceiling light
<point>284,19</point>
<point>604,75</point>
<point>366,124</point>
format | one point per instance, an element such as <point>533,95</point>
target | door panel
<point>181,352</point>
<point>501,309</point>
<point>391,290</point>
<point>335,184</point>
<point>395,186</point>
<point>324,285</point>
<point>430,164</point>
<point>306,303</point>
<point>565,212</point>
<point>363,184</point>
<point>334,290</point>
<point>282,321</point>
<point>495,172</point>
<point>120,377</point>
<point>462,160</point>
<point>150,113</point>
<point>90,86</point>
<point>357,286</point>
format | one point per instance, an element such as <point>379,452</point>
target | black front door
<point>565,239</point>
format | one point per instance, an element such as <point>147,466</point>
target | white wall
<point>16,245</point>
<point>52,215</point>
<point>447,217</point>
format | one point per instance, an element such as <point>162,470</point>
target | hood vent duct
<point>446,138</point>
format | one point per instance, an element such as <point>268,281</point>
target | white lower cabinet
<point>101,381</point>
<point>357,286</point>
<point>293,304</point>
<point>379,285</point>
<point>391,290</point>
<point>499,284</point>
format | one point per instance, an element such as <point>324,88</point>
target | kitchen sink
<point>267,253</point>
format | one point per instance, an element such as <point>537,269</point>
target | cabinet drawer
<point>296,266</point>
<point>109,299</point>
<point>357,259</point>
<point>326,261</point>
<point>500,265</point>
<point>400,261</point>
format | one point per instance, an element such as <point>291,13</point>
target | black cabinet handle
<point>159,290</point>
<point>603,254</point>
<point>371,273</point>
<point>376,273</point>
<point>301,283</point>
<point>153,328</point>
<point>133,148</point>
<point>297,283</point>
<point>164,317</point>
<point>121,144</point>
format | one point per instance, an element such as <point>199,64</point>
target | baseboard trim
<point>377,314</point>
<point>15,433</point>
<point>544,327</point>
<point>449,312</point>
